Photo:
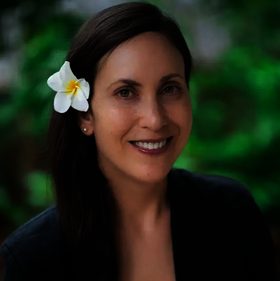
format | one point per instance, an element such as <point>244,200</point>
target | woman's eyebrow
<point>169,76</point>
<point>131,82</point>
<point>127,81</point>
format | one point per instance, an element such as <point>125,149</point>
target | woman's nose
<point>153,115</point>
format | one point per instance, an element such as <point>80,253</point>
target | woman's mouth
<point>151,146</point>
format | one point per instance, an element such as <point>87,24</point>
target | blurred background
<point>235,94</point>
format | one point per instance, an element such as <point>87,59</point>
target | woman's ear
<point>86,122</point>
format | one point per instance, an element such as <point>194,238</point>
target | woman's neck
<point>140,204</point>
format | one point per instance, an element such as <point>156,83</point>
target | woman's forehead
<point>146,53</point>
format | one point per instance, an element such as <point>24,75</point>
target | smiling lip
<point>152,146</point>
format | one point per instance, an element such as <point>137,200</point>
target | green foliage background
<point>236,129</point>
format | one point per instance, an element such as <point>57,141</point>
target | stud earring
<point>84,129</point>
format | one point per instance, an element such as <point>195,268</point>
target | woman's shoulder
<point>211,194</point>
<point>216,201</point>
<point>205,185</point>
<point>42,226</point>
<point>225,210</point>
<point>35,242</point>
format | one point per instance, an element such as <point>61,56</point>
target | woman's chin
<point>153,176</point>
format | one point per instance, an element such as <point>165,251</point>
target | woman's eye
<point>171,90</point>
<point>125,93</point>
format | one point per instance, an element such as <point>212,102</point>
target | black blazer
<point>218,233</point>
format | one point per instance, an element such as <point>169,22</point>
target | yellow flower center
<point>72,87</point>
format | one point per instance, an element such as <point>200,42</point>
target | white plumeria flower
<point>70,90</point>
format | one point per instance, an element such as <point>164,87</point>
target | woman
<point>122,116</point>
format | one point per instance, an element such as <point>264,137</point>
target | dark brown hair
<point>84,201</point>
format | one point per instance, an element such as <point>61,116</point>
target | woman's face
<point>141,112</point>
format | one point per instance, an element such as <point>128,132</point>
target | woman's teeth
<point>150,145</point>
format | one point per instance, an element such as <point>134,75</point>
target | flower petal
<point>84,85</point>
<point>66,73</point>
<point>70,90</point>
<point>55,83</point>
<point>79,101</point>
<point>62,102</point>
